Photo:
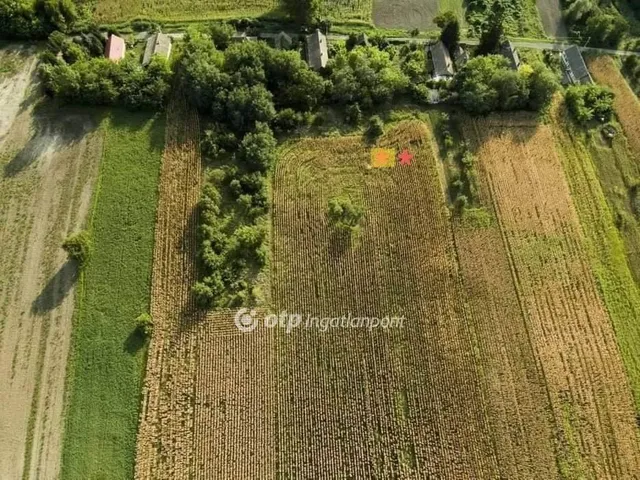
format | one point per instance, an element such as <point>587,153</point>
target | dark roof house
<point>442,63</point>
<point>282,41</point>
<point>115,48</point>
<point>157,44</point>
<point>575,69</point>
<point>460,57</point>
<point>508,51</point>
<point>317,50</point>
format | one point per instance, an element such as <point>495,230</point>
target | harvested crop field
<point>49,160</point>
<point>409,14</point>
<point>185,10</point>
<point>626,104</point>
<point>506,363</point>
<point>570,330</point>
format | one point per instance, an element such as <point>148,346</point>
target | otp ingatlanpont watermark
<point>248,320</point>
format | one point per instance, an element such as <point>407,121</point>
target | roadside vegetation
<point>107,355</point>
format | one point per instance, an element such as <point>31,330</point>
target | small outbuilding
<point>282,41</point>
<point>362,40</point>
<point>317,50</point>
<point>575,70</point>
<point>441,59</point>
<point>241,37</point>
<point>157,44</point>
<point>460,57</point>
<point>115,49</point>
<point>508,51</point>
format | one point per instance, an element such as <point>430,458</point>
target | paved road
<point>537,45</point>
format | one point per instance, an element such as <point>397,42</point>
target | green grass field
<point>107,357</point>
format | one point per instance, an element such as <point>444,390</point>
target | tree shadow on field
<point>190,310</point>
<point>135,341</point>
<point>52,130</point>
<point>56,289</point>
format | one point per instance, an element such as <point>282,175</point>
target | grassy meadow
<point>107,356</point>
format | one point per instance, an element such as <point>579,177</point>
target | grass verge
<point>107,357</point>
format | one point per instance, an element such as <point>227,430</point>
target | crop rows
<point>385,403</point>
<point>626,104</point>
<point>165,431</point>
<point>569,326</point>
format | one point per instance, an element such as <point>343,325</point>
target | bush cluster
<point>598,21</point>
<point>486,84</point>
<point>590,102</point>
<point>29,19</point>
<point>76,72</point>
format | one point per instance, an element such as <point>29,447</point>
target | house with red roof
<point>115,48</point>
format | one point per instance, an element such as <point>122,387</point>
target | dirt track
<point>48,163</point>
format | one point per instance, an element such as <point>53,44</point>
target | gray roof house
<point>157,44</point>
<point>282,41</point>
<point>575,70</point>
<point>317,50</point>
<point>509,52</point>
<point>442,63</point>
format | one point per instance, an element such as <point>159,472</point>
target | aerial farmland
<point>319,239</point>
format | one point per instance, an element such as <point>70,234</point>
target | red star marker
<point>405,157</point>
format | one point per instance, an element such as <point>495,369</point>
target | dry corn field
<point>505,366</point>
<point>626,104</point>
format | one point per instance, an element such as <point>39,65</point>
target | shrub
<point>589,102</point>
<point>344,215</point>
<point>78,247</point>
<point>144,324</point>
<point>353,114</point>
<point>376,127</point>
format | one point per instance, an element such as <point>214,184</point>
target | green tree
<point>543,84</point>
<point>144,324</point>
<point>367,76</point>
<point>449,29</point>
<point>221,34</point>
<point>78,247</point>
<point>303,12</point>
<point>493,31</point>
<point>590,102</point>
<point>258,148</point>
<point>344,215</point>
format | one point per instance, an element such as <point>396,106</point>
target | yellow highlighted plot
<point>383,158</point>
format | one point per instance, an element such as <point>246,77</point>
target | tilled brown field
<point>505,366</point>
<point>49,161</point>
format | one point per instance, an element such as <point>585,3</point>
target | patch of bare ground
<point>48,163</point>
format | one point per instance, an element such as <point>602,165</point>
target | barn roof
<point>157,44</point>
<point>442,64</point>
<point>317,50</point>
<point>576,68</point>
<point>115,48</point>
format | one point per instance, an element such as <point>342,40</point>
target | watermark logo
<point>247,321</point>
<point>389,158</point>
